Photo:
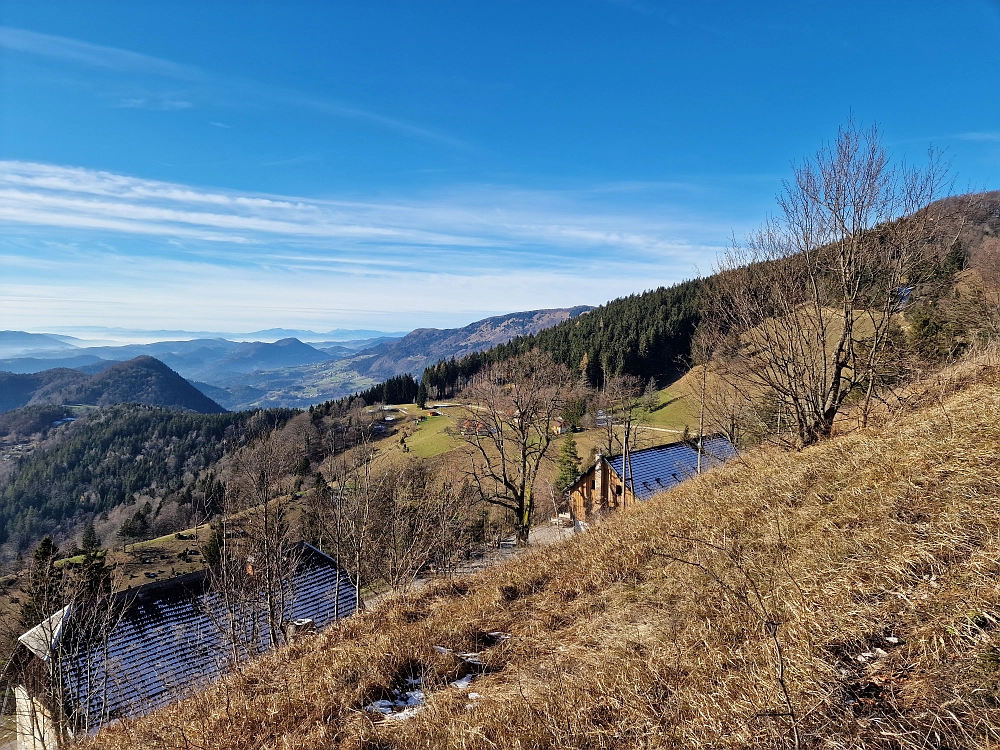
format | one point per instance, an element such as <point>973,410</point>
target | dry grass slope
<point>846,596</point>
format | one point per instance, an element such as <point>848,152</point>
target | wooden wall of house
<point>598,492</point>
<point>581,495</point>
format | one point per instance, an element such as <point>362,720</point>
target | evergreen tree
<point>422,395</point>
<point>136,527</point>
<point>44,587</point>
<point>212,550</point>
<point>574,410</point>
<point>90,543</point>
<point>569,464</point>
<point>93,580</point>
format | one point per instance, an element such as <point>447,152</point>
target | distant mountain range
<point>426,346</point>
<point>104,336</point>
<point>143,380</point>
<point>243,375</point>
<point>19,343</point>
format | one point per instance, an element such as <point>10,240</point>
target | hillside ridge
<point>424,346</point>
<point>142,380</point>
<point>844,594</point>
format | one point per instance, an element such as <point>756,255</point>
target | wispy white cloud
<point>213,87</point>
<point>981,136</point>
<point>94,55</point>
<point>173,251</point>
<point>46,195</point>
<point>156,103</point>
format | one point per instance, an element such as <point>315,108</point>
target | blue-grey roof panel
<point>658,469</point>
<point>173,638</point>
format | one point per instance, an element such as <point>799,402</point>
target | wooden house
<point>602,488</point>
<point>474,427</point>
<point>155,644</point>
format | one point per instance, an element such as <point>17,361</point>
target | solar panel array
<point>175,637</point>
<point>658,469</point>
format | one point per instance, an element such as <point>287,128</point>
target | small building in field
<point>560,426</point>
<point>146,647</point>
<point>475,427</point>
<point>602,488</point>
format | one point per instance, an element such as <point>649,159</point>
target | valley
<point>259,374</point>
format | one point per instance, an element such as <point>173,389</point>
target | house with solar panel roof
<point>612,483</point>
<point>148,646</point>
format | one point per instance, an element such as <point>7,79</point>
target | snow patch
<point>403,704</point>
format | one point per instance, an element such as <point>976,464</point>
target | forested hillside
<point>17,390</point>
<point>143,380</point>
<point>648,335</point>
<point>106,458</point>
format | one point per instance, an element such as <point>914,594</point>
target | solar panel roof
<point>658,469</point>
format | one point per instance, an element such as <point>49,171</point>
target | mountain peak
<point>143,380</point>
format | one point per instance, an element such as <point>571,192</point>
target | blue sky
<point>246,165</point>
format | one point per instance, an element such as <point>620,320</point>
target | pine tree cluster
<point>647,335</point>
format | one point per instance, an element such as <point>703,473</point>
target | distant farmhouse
<point>602,488</point>
<point>155,644</point>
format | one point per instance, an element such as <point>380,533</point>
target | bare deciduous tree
<point>54,663</point>
<point>422,521</point>
<point>352,492</point>
<point>256,545</point>
<point>726,404</point>
<point>811,295</point>
<point>621,403</point>
<point>507,430</point>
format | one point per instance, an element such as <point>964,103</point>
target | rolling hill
<point>18,389</point>
<point>143,380</point>
<point>19,343</point>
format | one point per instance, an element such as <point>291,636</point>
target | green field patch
<point>430,437</point>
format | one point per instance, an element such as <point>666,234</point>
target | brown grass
<point>733,611</point>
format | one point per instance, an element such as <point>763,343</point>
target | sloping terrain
<point>19,343</point>
<point>844,596</point>
<point>143,380</point>
<point>17,390</point>
<point>260,356</point>
<point>425,346</point>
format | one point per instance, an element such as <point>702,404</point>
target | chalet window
<point>618,489</point>
<point>593,484</point>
